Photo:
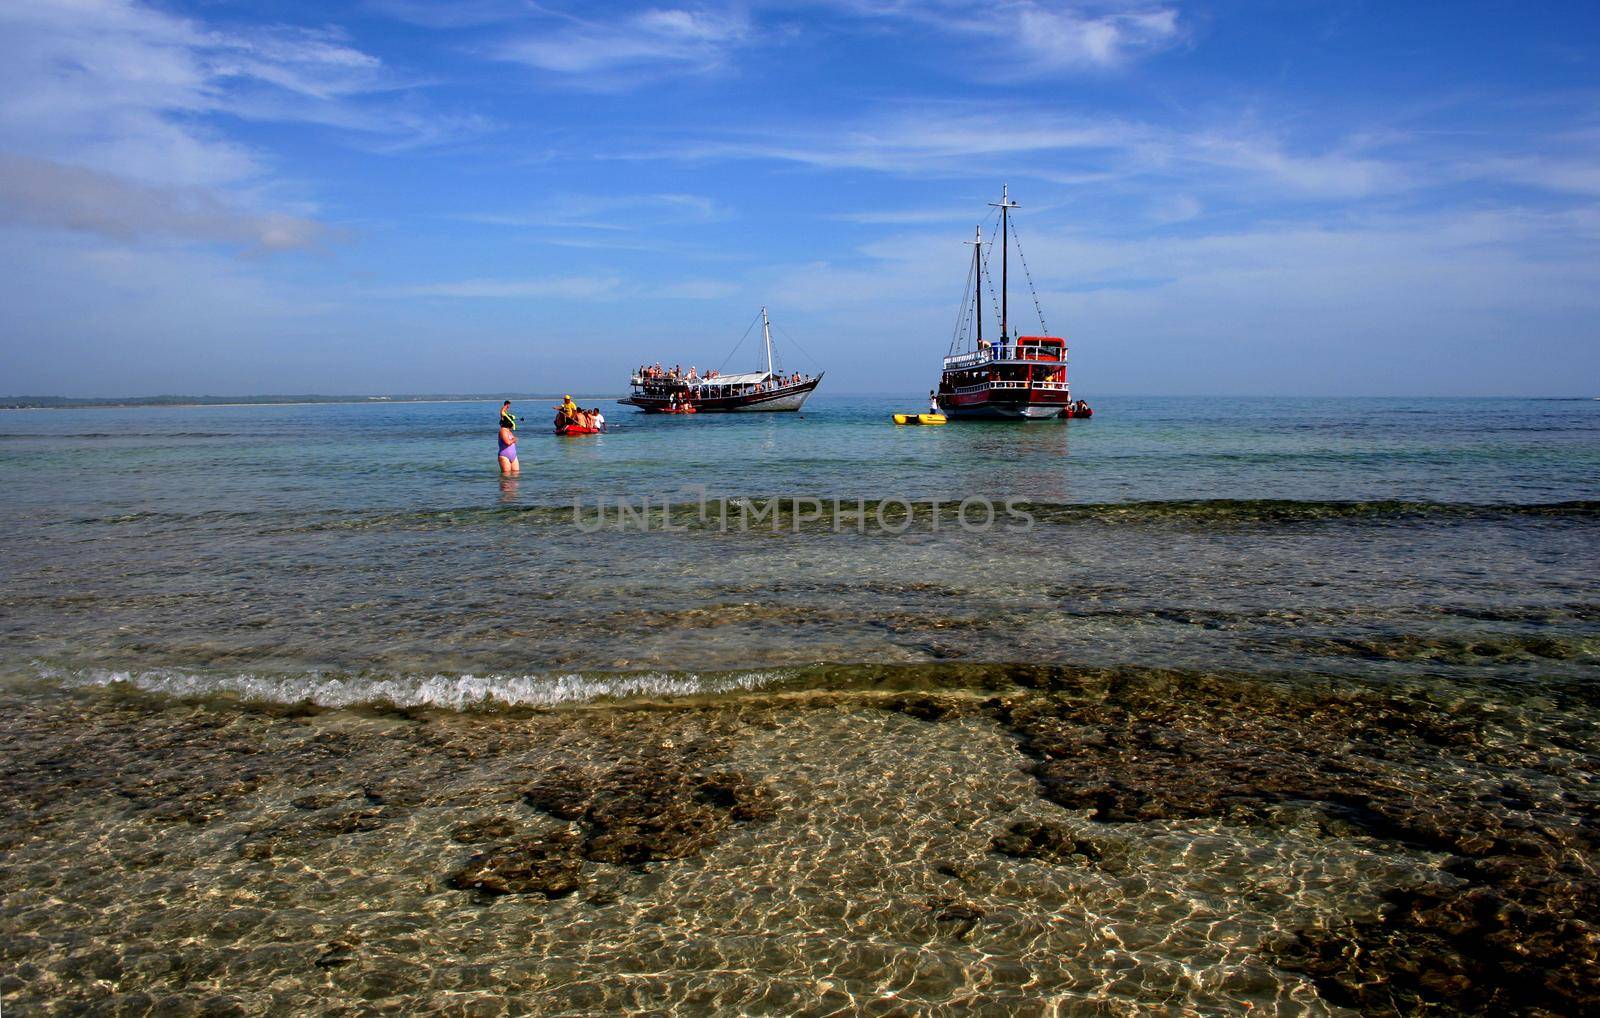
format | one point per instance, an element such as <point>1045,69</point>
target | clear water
<point>199,602</point>
<point>267,548</point>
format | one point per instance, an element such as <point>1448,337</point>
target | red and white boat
<point>1012,378</point>
<point>669,392</point>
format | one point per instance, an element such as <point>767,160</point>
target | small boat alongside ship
<point>764,390</point>
<point>1012,377</point>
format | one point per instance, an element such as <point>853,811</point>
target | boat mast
<point>1005,204</point>
<point>977,280</point>
<point>766,338</point>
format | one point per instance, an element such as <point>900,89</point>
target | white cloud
<point>615,54</point>
<point>122,87</point>
<point>131,101</point>
<point>1028,38</point>
<point>1053,39</point>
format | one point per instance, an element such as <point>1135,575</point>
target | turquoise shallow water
<point>278,549</point>
<point>1235,707</point>
<point>311,458</point>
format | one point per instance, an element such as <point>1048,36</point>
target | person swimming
<point>508,441</point>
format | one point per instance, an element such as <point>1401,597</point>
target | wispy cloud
<point>456,13</point>
<point>966,140</point>
<point>1569,173</point>
<point>570,288</point>
<point>907,217</point>
<point>696,289</point>
<point>1030,39</point>
<point>1483,261</point>
<point>1054,39</point>
<point>573,287</point>
<point>948,140</point>
<point>620,52</point>
<point>602,212</point>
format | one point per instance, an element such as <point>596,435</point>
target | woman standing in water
<point>508,441</point>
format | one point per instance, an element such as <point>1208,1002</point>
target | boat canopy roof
<point>744,378</point>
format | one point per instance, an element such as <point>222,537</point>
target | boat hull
<point>1037,406</point>
<point>786,399</point>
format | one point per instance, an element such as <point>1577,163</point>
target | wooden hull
<point>786,399</point>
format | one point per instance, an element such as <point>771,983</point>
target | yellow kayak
<point>919,418</point>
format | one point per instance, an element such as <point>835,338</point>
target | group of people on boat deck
<point>674,373</point>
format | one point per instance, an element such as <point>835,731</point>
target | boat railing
<point>967,359</point>
<point>1036,352</point>
<point>1007,383</point>
<point>1030,353</point>
<point>668,381</point>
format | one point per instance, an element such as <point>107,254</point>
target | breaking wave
<point>451,692</point>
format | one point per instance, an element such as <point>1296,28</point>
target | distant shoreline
<point>163,402</point>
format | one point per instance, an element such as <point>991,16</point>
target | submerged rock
<point>1031,839</point>
<point>338,953</point>
<point>483,829</point>
<point>649,809</point>
<point>922,707</point>
<point>1509,948</point>
<point>320,800</point>
<point>547,865</point>
<point>1519,932</point>
<point>963,916</point>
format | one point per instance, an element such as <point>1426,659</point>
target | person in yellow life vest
<point>567,412</point>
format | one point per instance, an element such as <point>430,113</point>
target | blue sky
<point>398,196</point>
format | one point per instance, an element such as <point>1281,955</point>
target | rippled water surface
<point>295,693</point>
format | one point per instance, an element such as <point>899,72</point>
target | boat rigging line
<point>737,345</point>
<point>963,316</point>
<point>790,337</point>
<point>1043,328</point>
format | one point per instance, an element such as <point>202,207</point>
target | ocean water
<point>1040,718</point>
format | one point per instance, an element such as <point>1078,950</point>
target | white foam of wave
<point>455,692</point>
